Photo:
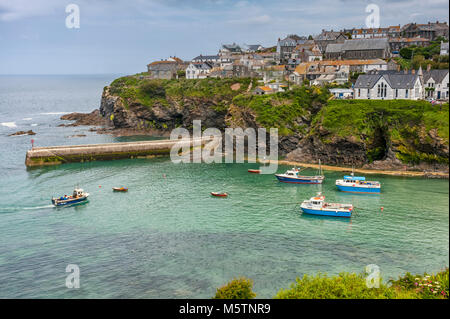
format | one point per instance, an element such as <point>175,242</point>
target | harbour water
<point>167,237</point>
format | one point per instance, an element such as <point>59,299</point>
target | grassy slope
<point>404,123</point>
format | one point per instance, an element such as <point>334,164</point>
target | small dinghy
<point>120,189</point>
<point>254,171</point>
<point>219,194</point>
<point>317,206</point>
<point>78,196</point>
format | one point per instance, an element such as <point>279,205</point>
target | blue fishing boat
<point>77,196</point>
<point>358,184</point>
<point>317,206</point>
<point>293,176</point>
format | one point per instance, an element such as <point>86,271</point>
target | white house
<point>436,84</point>
<point>198,70</point>
<point>444,48</point>
<point>339,93</point>
<point>389,85</point>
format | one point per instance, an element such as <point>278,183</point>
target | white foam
<point>27,119</point>
<point>9,124</point>
<point>34,124</point>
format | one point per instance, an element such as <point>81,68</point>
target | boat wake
<point>18,209</point>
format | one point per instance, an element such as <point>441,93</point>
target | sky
<point>123,36</point>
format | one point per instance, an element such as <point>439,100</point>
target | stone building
<point>359,49</point>
<point>166,69</point>
<point>431,30</point>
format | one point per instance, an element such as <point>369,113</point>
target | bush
<point>344,286</point>
<point>153,89</point>
<point>236,289</point>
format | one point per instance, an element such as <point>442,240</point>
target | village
<point>395,62</point>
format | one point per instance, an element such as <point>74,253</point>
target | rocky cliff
<point>373,134</point>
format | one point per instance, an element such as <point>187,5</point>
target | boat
<point>77,196</point>
<point>254,171</point>
<point>317,206</point>
<point>219,194</point>
<point>358,184</point>
<point>120,189</point>
<point>293,176</point>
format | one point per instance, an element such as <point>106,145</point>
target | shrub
<point>240,288</point>
<point>426,286</point>
<point>344,286</point>
<point>153,89</point>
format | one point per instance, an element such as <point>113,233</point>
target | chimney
<point>428,67</point>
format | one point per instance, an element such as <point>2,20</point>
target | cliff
<point>370,134</point>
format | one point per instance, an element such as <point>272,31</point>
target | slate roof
<point>327,36</point>
<point>436,75</point>
<point>334,48</point>
<point>365,44</point>
<point>292,41</point>
<point>395,80</point>
<point>206,57</point>
<point>202,66</point>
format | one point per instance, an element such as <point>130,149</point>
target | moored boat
<point>254,171</point>
<point>293,176</point>
<point>358,184</point>
<point>317,206</point>
<point>219,194</point>
<point>120,189</point>
<point>77,196</point>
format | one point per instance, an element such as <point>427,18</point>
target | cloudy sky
<point>122,36</point>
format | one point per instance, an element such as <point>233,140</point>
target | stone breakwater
<point>54,155</point>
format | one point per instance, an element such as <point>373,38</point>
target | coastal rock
<point>93,118</point>
<point>29,132</point>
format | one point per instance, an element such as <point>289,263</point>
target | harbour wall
<point>54,155</point>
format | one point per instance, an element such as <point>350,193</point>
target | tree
<point>236,289</point>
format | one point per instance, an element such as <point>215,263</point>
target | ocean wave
<point>27,119</point>
<point>34,124</point>
<point>9,124</point>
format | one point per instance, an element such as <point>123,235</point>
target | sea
<point>167,237</point>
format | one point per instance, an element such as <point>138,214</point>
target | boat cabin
<point>354,179</point>
<point>77,192</point>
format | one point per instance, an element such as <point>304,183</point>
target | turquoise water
<point>167,237</point>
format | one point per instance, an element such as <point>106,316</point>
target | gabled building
<point>166,69</point>
<point>329,37</point>
<point>389,85</point>
<point>211,59</point>
<point>436,83</point>
<point>431,30</point>
<point>287,45</point>
<point>199,70</point>
<point>252,48</point>
<point>229,49</point>
<point>359,49</point>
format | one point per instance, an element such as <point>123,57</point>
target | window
<point>396,93</point>
<point>359,92</point>
<point>382,90</point>
<point>406,93</point>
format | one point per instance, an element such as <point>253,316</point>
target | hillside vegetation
<point>337,131</point>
